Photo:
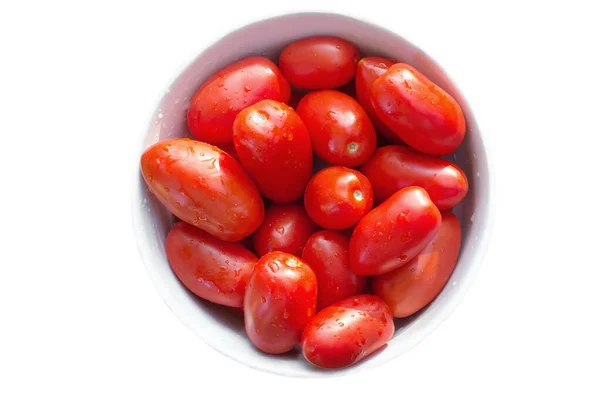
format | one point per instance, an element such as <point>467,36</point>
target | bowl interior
<point>219,327</point>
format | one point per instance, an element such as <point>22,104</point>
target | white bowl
<point>151,222</point>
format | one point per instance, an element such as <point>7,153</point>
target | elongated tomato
<point>410,288</point>
<point>203,186</point>
<point>209,267</point>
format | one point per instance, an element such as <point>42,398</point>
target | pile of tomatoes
<point>321,212</point>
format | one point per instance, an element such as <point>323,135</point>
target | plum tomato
<point>347,332</point>
<point>394,232</point>
<point>340,130</point>
<point>274,147</point>
<point>211,268</point>
<point>418,111</point>
<point>338,197</point>
<point>395,167</point>
<point>286,227</point>
<point>203,186</point>
<point>223,95</point>
<point>410,288</point>
<point>319,62</point>
<point>327,254</point>
<point>280,299</point>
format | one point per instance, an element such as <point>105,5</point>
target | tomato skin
<point>223,95</point>
<point>340,130</point>
<point>327,254</point>
<point>274,147</point>
<point>410,288</point>
<point>418,111</point>
<point>348,331</point>
<point>393,233</point>
<point>338,197</point>
<point>395,167</point>
<point>286,227</point>
<point>211,268</point>
<point>203,186</point>
<point>319,62</point>
<point>280,299</point>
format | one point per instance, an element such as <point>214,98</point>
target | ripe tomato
<point>286,228</point>
<point>320,62</point>
<point>410,288</point>
<point>281,297</point>
<point>211,268</point>
<point>369,69</point>
<point>222,96</point>
<point>274,147</point>
<point>418,111</point>
<point>393,233</point>
<point>348,331</point>
<point>340,130</point>
<point>327,254</point>
<point>229,148</point>
<point>338,197</point>
<point>203,186</point>
<point>395,167</point>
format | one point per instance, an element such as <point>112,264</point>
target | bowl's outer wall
<point>216,325</point>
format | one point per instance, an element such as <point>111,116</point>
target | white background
<point>79,317</point>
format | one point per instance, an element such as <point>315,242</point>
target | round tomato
<point>393,233</point>
<point>203,186</point>
<point>418,111</point>
<point>395,167</point>
<point>348,331</point>
<point>286,228</point>
<point>338,197</point>
<point>410,288</point>
<point>274,147</point>
<point>340,130</point>
<point>209,267</point>
<point>327,254</point>
<point>223,95</point>
<point>280,298</point>
<point>320,62</point>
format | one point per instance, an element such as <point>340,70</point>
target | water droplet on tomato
<point>358,195</point>
<point>263,299</point>
<point>281,230</point>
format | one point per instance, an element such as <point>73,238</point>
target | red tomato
<point>347,332</point>
<point>281,297</point>
<point>395,167</point>
<point>369,69</point>
<point>274,147</point>
<point>338,197</point>
<point>203,186</point>
<point>222,96</point>
<point>321,62</point>
<point>340,130</point>
<point>418,111</point>
<point>393,233</point>
<point>286,228</point>
<point>229,148</point>
<point>327,254</point>
<point>211,268</point>
<point>410,288</point>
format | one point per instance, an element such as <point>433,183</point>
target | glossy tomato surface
<point>418,111</point>
<point>338,197</point>
<point>410,288</point>
<point>393,233</point>
<point>274,146</point>
<point>209,267</point>
<point>222,96</point>
<point>203,186</point>
<point>395,167</point>
<point>347,332</point>
<point>327,254</point>
<point>280,299</point>
<point>340,130</point>
<point>286,228</point>
<point>319,62</point>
